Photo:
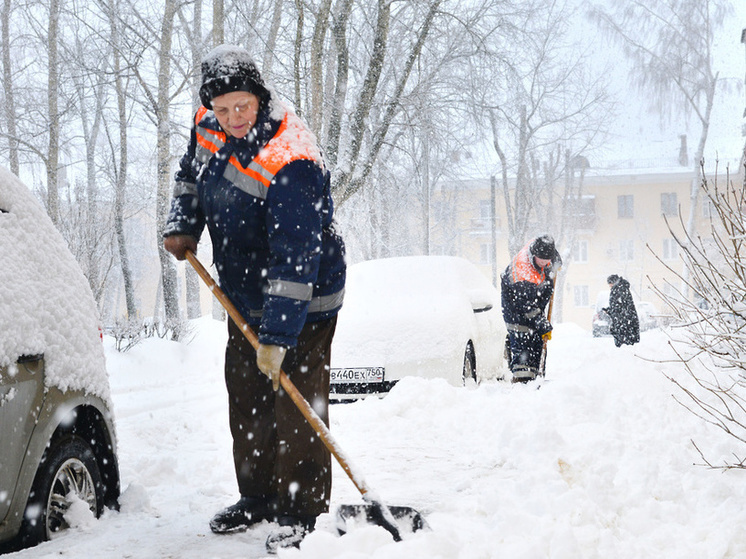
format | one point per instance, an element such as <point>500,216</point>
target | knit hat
<point>543,247</point>
<point>228,68</point>
<point>613,279</point>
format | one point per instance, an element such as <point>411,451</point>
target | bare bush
<point>709,305</point>
<point>128,333</point>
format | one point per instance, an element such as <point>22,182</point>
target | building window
<point>484,218</point>
<point>581,295</point>
<point>670,249</point>
<point>625,206</point>
<point>583,212</point>
<point>626,251</point>
<point>580,251</point>
<point>485,209</point>
<point>669,204</point>
<point>708,208</point>
<point>485,253</point>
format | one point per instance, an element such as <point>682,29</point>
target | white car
<point>56,427</point>
<point>428,316</point>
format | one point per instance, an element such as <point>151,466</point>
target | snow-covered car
<point>59,460</point>
<point>428,316</point>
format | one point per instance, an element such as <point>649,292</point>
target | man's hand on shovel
<point>178,245</point>
<point>269,360</point>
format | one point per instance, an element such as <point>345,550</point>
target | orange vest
<point>524,269</point>
<point>292,142</point>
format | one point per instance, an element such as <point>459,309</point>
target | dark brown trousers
<point>277,454</point>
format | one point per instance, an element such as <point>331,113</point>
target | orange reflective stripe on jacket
<point>524,270</point>
<point>292,142</point>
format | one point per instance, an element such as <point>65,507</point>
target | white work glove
<point>269,360</point>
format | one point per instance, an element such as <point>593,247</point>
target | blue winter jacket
<point>526,291</point>
<point>266,201</point>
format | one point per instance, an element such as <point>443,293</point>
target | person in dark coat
<point>253,174</point>
<point>527,287</point>
<point>624,323</point>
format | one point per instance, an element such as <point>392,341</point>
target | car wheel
<point>68,473</point>
<point>469,372</point>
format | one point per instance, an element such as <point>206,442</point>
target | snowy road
<point>598,463</point>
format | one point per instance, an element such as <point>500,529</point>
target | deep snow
<point>597,463</point>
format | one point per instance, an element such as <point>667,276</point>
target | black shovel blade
<point>400,520</point>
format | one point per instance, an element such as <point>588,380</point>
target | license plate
<point>357,375</point>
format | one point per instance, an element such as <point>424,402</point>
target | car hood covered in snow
<point>46,306</point>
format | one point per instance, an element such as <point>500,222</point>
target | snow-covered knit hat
<point>228,68</point>
<point>543,247</point>
<point>613,279</point>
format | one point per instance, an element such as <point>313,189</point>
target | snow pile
<point>597,463</point>
<point>46,306</point>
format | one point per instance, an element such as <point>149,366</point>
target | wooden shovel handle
<point>543,362</point>
<point>305,408</point>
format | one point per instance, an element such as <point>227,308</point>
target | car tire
<point>67,468</point>
<point>469,372</point>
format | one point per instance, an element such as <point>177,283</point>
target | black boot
<point>246,512</point>
<point>291,532</point>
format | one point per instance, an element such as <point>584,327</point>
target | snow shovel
<point>543,362</point>
<point>375,511</point>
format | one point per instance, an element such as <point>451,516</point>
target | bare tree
<point>669,43</point>
<point>316,112</point>
<point>193,32</point>
<point>161,109</point>
<point>53,91</point>
<point>8,92</point>
<point>120,159</point>
<point>87,237</point>
<point>542,100</point>
<point>157,101</point>
<point>365,143</point>
<point>271,44</point>
<point>218,22</point>
<point>710,328</point>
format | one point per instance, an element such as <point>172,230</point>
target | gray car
<point>56,427</point>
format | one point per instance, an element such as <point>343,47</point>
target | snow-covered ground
<point>597,463</point>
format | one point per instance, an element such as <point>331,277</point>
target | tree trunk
<point>218,22</point>
<point>121,178</point>
<point>90,239</point>
<point>297,54</point>
<point>271,44</point>
<point>339,33</point>
<point>53,114</point>
<point>192,284</point>
<point>10,110</point>
<point>163,154</point>
<point>316,111</point>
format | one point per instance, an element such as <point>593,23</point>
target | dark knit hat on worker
<point>543,247</point>
<point>613,279</point>
<point>229,68</point>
